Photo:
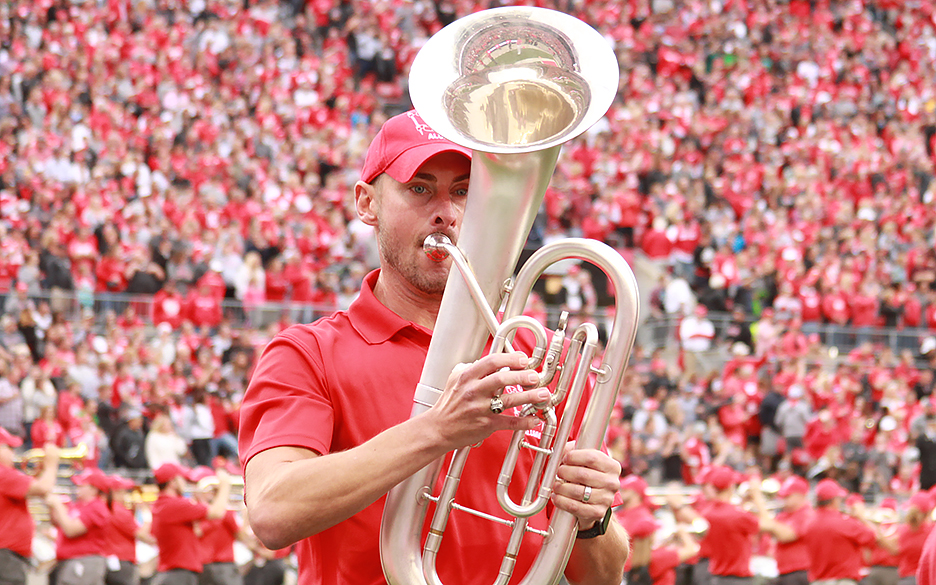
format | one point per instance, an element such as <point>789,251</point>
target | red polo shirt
<point>663,563</point>
<point>217,539</point>
<point>794,556</point>
<point>835,542</point>
<point>312,387</point>
<point>174,532</point>
<point>706,544</point>
<point>16,523</point>
<point>638,522</point>
<point>732,529</point>
<point>926,570</point>
<point>95,516</point>
<point>910,547</point>
<point>121,534</point>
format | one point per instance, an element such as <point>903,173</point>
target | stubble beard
<point>395,256</point>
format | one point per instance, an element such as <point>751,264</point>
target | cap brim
<point>404,167</point>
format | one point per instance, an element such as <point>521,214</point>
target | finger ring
<point>586,495</point>
<point>497,405</point>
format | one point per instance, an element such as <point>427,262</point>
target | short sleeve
<point>95,515</point>
<point>861,534</point>
<point>663,559</point>
<point>287,401</point>
<point>182,511</point>
<point>14,484</point>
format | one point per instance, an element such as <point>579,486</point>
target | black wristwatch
<point>598,529</point>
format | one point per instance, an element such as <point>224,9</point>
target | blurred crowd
<point>773,159</point>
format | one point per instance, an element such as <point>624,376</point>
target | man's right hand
<point>463,413</point>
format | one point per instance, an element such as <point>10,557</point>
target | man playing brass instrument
<point>325,429</point>
<point>16,523</point>
<point>788,527</point>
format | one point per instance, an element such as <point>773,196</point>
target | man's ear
<point>365,202</point>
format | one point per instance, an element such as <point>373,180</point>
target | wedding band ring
<point>497,405</point>
<point>586,495</point>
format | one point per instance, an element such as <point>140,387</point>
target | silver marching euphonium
<point>512,84</point>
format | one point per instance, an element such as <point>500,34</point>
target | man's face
<point>433,201</point>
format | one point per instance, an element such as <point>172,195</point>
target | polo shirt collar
<point>372,320</point>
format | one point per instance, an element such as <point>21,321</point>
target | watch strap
<point>599,528</point>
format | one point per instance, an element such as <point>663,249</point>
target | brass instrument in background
<point>769,486</point>
<point>660,496</point>
<point>29,460</point>
<point>512,84</point>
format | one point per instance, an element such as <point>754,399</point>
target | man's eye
<point>420,189</point>
<point>462,192</point>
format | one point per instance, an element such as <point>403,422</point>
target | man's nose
<point>447,211</point>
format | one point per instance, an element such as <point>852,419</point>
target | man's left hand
<point>586,474</point>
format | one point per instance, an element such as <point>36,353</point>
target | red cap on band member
<point>402,145</point>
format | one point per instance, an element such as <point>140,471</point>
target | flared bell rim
<point>572,89</point>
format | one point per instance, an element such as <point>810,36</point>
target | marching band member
<point>687,514</point>
<point>122,534</point>
<point>834,539</point>
<point>881,557</point>
<point>319,457</point>
<point>789,527</point>
<point>174,516</point>
<point>732,528</point>
<point>268,566</point>
<point>637,519</point>
<point>912,534</point>
<point>82,530</point>
<point>216,537</point>
<point>16,522</point>
<point>926,570</point>
<point>665,559</point>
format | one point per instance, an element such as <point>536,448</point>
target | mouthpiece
<point>434,246</point>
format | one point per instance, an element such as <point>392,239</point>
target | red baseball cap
<point>634,483</point>
<point>94,477</point>
<point>169,471</point>
<point>9,439</point>
<point>793,485</point>
<point>722,477</point>
<point>828,489</point>
<point>402,145</point>
<point>118,482</point>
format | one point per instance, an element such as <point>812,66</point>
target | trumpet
<point>768,486</point>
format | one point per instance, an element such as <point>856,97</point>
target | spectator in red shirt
<point>655,243</point>
<point>180,561</point>
<point>16,522</point>
<point>168,305</point>
<point>47,428</point>
<point>204,307</point>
